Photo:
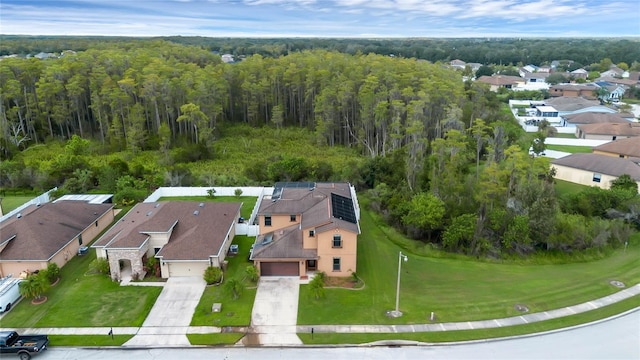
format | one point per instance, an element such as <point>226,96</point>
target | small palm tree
<point>34,286</point>
<point>235,287</point>
<point>252,273</point>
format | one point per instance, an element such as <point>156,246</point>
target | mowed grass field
<point>459,289</point>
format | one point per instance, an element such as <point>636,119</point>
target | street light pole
<point>397,312</point>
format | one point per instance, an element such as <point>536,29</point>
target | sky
<point>323,18</point>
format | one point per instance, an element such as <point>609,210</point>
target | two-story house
<point>307,227</point>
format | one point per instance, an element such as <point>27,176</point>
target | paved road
<point>613,339</point>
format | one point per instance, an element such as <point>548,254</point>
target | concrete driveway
<point>169,319</point>
<point>275,312</point>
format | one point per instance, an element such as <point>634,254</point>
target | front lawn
<point>234,312</point>
<point>84,300</point>
<point>459,289</point>
<point>466,335</point>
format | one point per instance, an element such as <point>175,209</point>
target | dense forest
<point>582,51</point>
<point>441,160</point>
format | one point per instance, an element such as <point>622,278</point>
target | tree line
<point>441,161</point>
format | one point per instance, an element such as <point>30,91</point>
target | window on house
<point>96,224</point>
<point>80,239</point>
<point>267,221</point>
<point>156,250</point>
<point>621,156</point>
<point>337,241</point>
<point>292,218</point>
<point>312,233</point>
<point>597,177</point>
<point>336,264</point>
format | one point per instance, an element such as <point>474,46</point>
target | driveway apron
<point>275,312</point>
<point>169,319</point>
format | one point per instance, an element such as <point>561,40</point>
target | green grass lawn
<point>459,289</point>
<point>570,149</point>
<point>565,187</point>
<point>80,299</point>
<point>565,136</point>
<point>248,202</point>
<point>465,335</point>
<point>12,202</point>
<point>234,312</point>
<point>214,339</point>
<point>88,340</point>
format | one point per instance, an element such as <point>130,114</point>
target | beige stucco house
<point>608,131</point>
<point>50,233</point>
<point>185,236</point>
<point>307,227</point>
<point>595,169</point>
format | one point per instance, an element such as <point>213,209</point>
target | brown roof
<point>284,243</point>
<point>500,80</point>
<point>602,164</point>
<point>198,230</point>
<point>618,129</point>
<point>595,118</point>
<point>41,231</point>
<point>576,87</point>
<point>313,205</point>
<point>628,147</point>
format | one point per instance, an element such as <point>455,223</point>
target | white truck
<point>9,292</point>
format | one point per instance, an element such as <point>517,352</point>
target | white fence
<point>40,199</point>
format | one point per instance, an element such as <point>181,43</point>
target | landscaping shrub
<point>252,273</point>
<point>100,266</point>
<point>213,275</point>
<point>52,272</point>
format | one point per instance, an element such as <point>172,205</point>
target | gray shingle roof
<point>284,243</point>
<point>567,103</point>
<point>602,164</point>
<point>198,231</point>
<point>43,230</point>
<point>595,118</point>
<point>617,129</point>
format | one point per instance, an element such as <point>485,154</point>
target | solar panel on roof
<point>342,208</point>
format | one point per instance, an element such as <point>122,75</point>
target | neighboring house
<point>621,148</point>
<point>579,74</point>
<point>227,58</point>
<point>587,91</point>
<point>594,169</point>
<point>527,69</point>
<point>608,131</point>
<point>536,77</point>
<point>613,71</point>
<point>613,93</point>
<point>50,233</point>
<point>576,105</point>
<point>306,227</point>
<point>458,64</point>
<point>185,236</point>
<point>592,118</point>
<point>501,81</point>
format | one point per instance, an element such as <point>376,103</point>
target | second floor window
<point>312,233</point>
<point>337,241</point>
<point>267,221</point>
<point>292,218</point>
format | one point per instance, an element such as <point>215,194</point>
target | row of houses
<point>302,228</point>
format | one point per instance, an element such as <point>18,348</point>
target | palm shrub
<point>317,285</point>
<point>213,275</point>
<point>235,287</point>
<point>34,286</point>
<point>252,273</point>
<point>238,192</point>
<point>53,272</point>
